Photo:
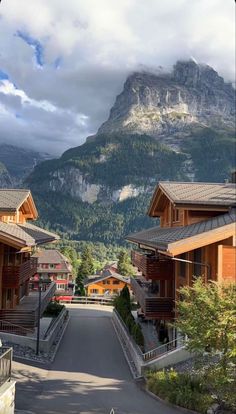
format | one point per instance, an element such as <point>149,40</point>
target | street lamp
<point>41,283</point>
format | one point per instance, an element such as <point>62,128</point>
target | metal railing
<point>153,353</point>
<point>163,349</point>
<point>64,314</point>
<point>88,300</point>
<point>47,295</point>
<point>5,364</point>
<point>12,328</point>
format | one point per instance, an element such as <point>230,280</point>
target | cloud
<point>35,44</point>
<point>66,61</point>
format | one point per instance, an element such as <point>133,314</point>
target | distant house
<point>53,265</point>
<point>108,284</point>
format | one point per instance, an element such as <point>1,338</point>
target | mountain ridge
<point>169,106</point>
<point>99,191</point>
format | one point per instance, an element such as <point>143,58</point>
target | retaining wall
<point>44,344</point>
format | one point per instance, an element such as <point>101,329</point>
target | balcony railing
<point>5,364</point>
<point>154,307</point>
<point>152,267</point>
<point>14,276</point>
<point>47,296</point>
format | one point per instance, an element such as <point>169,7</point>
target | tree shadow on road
<point>36,393</point>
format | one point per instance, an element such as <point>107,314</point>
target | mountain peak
<point>192,74</point>
<point>171,104</point>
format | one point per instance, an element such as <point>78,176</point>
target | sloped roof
<point>97,278</point>
<point>217,196</point>
<point>161,237</point>
<point>223,194</point>
<point>53,256</point>
<point>26,234</point>
<point>12,199</point>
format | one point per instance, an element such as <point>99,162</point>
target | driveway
<point>89,374</point>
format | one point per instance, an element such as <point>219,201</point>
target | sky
<point>62,63</point>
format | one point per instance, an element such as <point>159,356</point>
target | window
<point>61,286</point>
<point>198,270</point>
<point>106,282</point>
<point>176,215</point>
<point>51,266</point>
<point>182,265</point>
<point>94,291</point>
<point>116,282</point>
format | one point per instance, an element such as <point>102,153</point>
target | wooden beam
<point>201,240</point>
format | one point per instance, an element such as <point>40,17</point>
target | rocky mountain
<point>5,179</point>
<point>170,106</point>
<point>18,164</point>
<point>176,126</point>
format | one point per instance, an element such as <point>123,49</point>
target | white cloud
<point>97,43</point>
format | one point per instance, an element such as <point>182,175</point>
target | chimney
<point>233,177</point>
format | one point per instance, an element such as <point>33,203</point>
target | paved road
<point>89,374</point>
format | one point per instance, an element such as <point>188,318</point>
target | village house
<point>196,237</point>
<point>53,265</point>
<point>18,239</point>
<point>109,283</point>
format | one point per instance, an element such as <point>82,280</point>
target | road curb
<point>59,341</point>
<point>134,374</point>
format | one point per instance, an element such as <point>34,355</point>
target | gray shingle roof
<point>160,237</point>
<point>27,234</point>
<point>200,193</point>
<point>11,200</point>
<point>50,256</point>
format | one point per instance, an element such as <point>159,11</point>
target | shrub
<point>53,309</point>
<point>181,389</point>
<point>130,322</point>
<point>139,338</point>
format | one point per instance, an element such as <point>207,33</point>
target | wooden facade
<point>208,254</point>
<point>17,239</point>
<point>109,286</point>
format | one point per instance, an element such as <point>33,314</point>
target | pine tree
<point>86,268</point>
<point>124,267</point>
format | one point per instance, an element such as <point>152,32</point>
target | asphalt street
<point>89,374</point>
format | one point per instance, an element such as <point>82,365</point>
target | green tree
<point>71,254</point>
<point>124,266</point>
<point>207,315</point>
<point>86,268</point>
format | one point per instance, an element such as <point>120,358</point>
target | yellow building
<point>109,285</point>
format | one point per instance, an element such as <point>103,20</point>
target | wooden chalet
<point>196,237</point>
<point>109,283</point>
<point>18,238</point>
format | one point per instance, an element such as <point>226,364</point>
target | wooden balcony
<point>14,276</point>
<point>153,267</point>
<point>154,307</point>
